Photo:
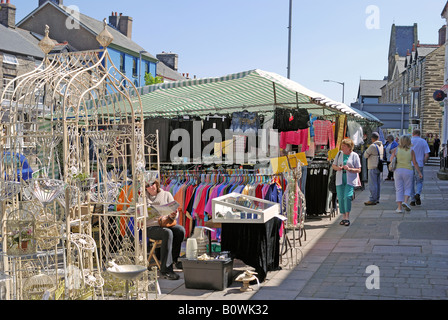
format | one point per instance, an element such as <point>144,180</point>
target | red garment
<point>188,222</point>
<point>258,191</point>
<point>299,137</point>
<point>201,205</point>
<point>324,134</point>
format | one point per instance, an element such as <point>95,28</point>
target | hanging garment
<point>299,137</point>
<point>163,126</point>
<point>317,187</point>
<point>341,130</point>
<point>324,135</point>
<point>355,132</point>
<point>124,199</point>
<point>291,119</point>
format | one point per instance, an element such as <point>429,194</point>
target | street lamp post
<point>343,88</point>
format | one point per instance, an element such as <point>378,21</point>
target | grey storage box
<point>208,274</point>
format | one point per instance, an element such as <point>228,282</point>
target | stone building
<point>412,80</point>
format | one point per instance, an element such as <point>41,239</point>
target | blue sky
<point>330,39</point>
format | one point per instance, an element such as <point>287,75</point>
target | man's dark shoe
<point>178,265</point>
<point>370,203</point>
<point>170,275</point>
<point>412,203</point>
<point>418,201</point>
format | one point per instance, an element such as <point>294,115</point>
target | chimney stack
<point>121,23</point>
<point>57,2</point>
<point>442,35</point>
<point>7,14</point>
<point>171,60</point>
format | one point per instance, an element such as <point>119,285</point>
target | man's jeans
<point>374,184</point>
<point>417,186</point>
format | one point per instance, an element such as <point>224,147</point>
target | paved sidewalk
<point>410,251</point>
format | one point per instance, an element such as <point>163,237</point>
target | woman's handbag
<point>332,183</point>
<point>393,164</point>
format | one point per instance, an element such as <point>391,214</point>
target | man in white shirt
<point>421,150</point>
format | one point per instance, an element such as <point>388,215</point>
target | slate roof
<point>95,27</point>
<point>404,39</point>
<point>19,41</point>
<point>371,88</point>
<point>168,73</point>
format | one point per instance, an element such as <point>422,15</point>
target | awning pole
<point>275,93</point>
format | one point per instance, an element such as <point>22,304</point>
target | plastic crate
<point>208,274</point>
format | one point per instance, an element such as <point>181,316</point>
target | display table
<point>257,245</point>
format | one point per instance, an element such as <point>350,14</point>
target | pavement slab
<point>408,250</point>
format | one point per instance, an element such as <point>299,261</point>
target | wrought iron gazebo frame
<point>79,120</point>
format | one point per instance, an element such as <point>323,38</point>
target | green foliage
<point>150,80</point>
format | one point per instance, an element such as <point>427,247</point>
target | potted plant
<point>22,238</point>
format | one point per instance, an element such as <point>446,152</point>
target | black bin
<point>213,274</point>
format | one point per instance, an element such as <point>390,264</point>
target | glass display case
<point>238,208</point>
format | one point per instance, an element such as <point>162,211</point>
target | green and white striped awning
<point>254,90</point>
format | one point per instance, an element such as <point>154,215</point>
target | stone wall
<point>432,80</point>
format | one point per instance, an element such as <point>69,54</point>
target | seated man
<point>172,237</point>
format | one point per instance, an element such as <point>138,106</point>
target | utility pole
<point>289,39</point>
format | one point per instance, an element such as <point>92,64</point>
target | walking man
<point>422,151</point>
<point>373,154</point>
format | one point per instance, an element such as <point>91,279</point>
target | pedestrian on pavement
<point>390,145</point>
<point>347,166</point>
<point>404,174</point>
<point>430,140</point>
<point>373,154</point>
<point>422,151</point>
<point>436,146</point>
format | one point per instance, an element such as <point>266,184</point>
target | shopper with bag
<point>374,156</point>
<point>390,145</point>
<point>347,166</point>
<point>166,229</point>
<point>403,173</point>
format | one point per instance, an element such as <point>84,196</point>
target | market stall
<point>283,116</point>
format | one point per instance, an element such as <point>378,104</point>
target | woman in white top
<point>347,166</point>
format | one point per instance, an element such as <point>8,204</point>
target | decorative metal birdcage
<point>74,129</point>
<point>20,233</point>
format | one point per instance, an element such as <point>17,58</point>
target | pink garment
<point>323,130</point>
<point>299,137</point>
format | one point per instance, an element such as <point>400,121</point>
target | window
<point>415,102</point>
<point>8,90</point>
<point>10,59</point>
<point>122,63</point>
<point>147,67</point>
<point>134,68</point>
